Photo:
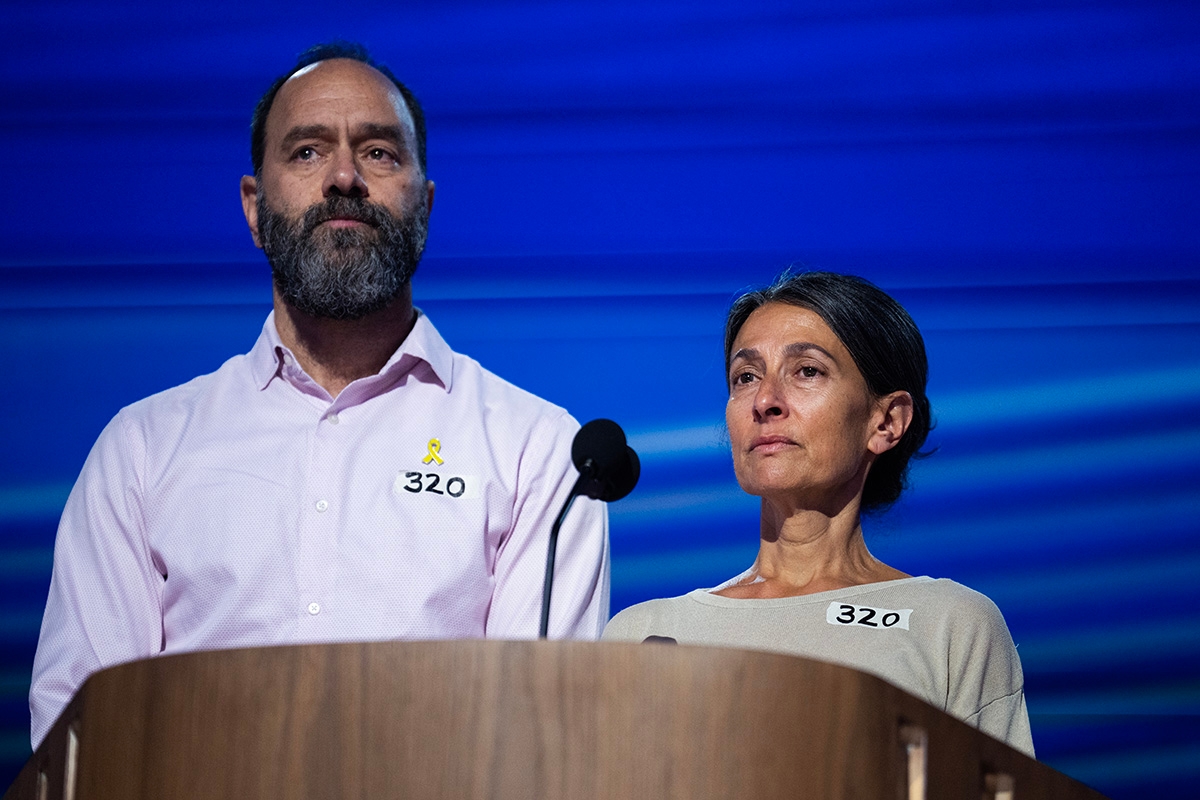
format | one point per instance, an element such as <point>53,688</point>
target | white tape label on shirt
<point>867,616</point>
<point>454,487</point>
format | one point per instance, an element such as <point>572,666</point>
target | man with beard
<point>351,477</point>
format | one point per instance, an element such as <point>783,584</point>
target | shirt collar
<point>423,343</point>
<point>270,358</point>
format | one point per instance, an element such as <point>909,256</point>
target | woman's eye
<point>809,372</point>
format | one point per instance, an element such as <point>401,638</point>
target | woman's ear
<point>893,415</point>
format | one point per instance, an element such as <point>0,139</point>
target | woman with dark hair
<point>826,407</point>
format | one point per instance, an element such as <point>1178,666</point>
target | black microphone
<point>608,467</point>
<point>608,470</point>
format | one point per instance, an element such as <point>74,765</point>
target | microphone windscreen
<point>603,443</point>
<point>622,479</point>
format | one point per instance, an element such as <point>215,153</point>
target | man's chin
<point>336,311</point>
<point>333,241</point>
<point>344,257</point>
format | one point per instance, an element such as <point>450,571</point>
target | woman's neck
<point>803,551</point>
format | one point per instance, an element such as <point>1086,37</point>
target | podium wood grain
<point>485,719</point>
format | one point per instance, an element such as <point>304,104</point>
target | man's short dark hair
<point>323,52</point>
<point>884,342</point>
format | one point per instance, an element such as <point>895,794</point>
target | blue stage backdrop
<point>1023,176</point>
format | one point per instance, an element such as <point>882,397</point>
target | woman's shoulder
<point>941,603</point>
<point>638,621</point>
<point>964,598</point>
<point>933,591</point>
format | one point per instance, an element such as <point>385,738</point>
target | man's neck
<point>336,352</point>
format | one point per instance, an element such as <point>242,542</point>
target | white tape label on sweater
<point>867,616</point>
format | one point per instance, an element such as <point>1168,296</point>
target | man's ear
<point>893,415</point>
<point>250,207</point>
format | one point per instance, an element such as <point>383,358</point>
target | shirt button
<point>322,505</point>
<point>333,419</point>
<point>314,608</point>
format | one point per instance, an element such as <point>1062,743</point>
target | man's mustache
<point>340,207</point>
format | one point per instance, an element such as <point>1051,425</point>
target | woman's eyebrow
<point>801,348</point>
<point>745,354</point>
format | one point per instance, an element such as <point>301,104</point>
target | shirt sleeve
<point>987,683</point>
<point>1007,720</point>
<point>579,603</point>
<point>105,601</point>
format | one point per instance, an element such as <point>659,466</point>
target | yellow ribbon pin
<point>435,447</point>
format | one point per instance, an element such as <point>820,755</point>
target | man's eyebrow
<point>375,130</point>
<point>366,131</point>
<point>302,132</point>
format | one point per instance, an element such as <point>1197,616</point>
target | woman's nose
<point>769,400</point>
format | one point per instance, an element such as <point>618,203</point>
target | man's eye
<point>304,154</point>
<point>809,372</point>
<point>379,154</point>
<point>743,377</point>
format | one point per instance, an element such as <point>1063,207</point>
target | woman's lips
<point>771,444</point>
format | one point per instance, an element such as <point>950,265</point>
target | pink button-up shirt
<point>248,507</point>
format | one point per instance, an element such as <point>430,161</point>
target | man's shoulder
<point>181,399</point>
<point>472,385</point>
<point>496,393</point>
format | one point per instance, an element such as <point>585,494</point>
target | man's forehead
<point>337,82</point>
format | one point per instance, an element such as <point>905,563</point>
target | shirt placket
<point>322,513</point>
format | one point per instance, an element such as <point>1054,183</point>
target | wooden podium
<point>486,719</point>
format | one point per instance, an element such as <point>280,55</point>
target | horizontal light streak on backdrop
<point>992,553</point>
<point>960,414</point>
<point>1127,768</point>
<point>1116,458</point>
<point>993,546</point>
<point>1108,645</point>
<point>15,623</point>
<point>1170,697</point>
<point>1155,573</point>
<point>1018,289</point>
<point>1132,391</point>
<point>983,409</point>
<point>32,502</point>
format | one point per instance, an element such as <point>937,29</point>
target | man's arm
<point>579,604</point>
<point>105,596</point>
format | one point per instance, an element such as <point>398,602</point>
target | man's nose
<point>343,177</point>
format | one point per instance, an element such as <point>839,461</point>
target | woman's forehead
<point>781,325</point>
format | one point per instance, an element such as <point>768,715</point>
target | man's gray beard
<point>342,273</point>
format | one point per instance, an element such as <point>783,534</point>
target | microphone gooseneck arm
<point>548,581</point>
<point>608,470</point>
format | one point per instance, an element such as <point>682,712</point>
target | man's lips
<point>344,222</point>
<point>771,444</point>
